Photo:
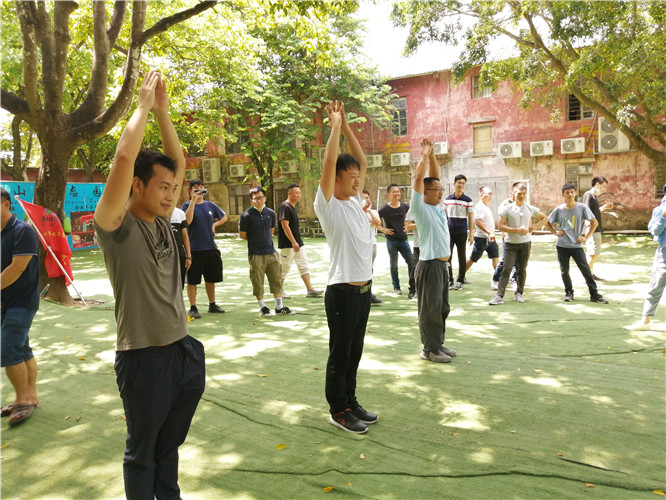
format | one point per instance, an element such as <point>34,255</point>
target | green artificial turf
<point>545,399</point>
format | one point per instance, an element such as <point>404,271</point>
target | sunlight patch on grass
<point>287,412</point>
<point>462,415</point>
<point>482,456</point>
<point>373,340</point>
<point>543,381</point>
<point>250,349</point>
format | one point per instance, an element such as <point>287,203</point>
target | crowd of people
<point>150,246</point>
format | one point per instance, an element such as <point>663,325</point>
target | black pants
<point>578,255</point>
<point>160,388</point>
<point>433,302</point>
<point>458,240</point>
<point>347,311</point>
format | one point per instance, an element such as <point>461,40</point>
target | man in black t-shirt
<point>394,213</point>
<point>290,242</point>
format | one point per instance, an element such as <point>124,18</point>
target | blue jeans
<point>578,255</point>
<point>402,247</point>
<point>657,282</point>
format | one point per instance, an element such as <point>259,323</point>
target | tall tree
<point>610,55</point>
<point>41,96</point>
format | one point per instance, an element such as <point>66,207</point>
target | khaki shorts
<point>593,244</point>
<point>270,266</point>
<point>288,256</point>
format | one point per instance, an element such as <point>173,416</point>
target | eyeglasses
<point>258,198</point>
<point>439,190</point>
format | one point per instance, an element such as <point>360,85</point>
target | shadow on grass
<point>543,397</point>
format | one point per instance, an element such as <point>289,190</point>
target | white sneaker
<point>314,293</point>
<point>494,284</point>
<point>496,300</point>
<point>519,298</point>
<point>640,326</point>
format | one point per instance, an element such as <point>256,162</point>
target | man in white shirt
<point>338,205</point>
<point>484,234</point>
<point>516,221</point>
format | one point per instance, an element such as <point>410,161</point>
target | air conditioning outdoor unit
<point>289,167</point>
<point>211,170</point>
<point>236,170</point>
<point>611,140</point>
<point>510,149</point>
<point>573,145</point>
<point>399,159</point>
<point>541,148</point>
<point>441,148</point>
<point>375,161</point>
<point>191,174</point>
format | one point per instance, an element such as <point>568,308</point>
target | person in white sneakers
<point>290,242</point>
<point>657,228</point>
<point>516,221</point>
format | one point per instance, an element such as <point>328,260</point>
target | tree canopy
<point>610,55</point>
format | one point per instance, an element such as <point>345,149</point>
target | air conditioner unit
<point>441,148</point>
<point>375,161</point>
<point>573,145</point>
<point>611,140</point>
<point>211,170</point>
<point>289,167</point>
<point>399,159</point>
<point>236,170</point>
<point>510,149</point>
<point>191,174</point>
<point>541,148</point>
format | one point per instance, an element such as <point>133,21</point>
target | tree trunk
<point>50,190</point>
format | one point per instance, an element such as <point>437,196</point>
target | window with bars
<point>483,139</point>
<point>659,180</point>
<point>478,91</point>
<point>399,124</point>
<point>239,199</point>
<point>576,111</point>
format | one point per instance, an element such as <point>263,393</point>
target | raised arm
<point>354,146</point>
<point>111,208</point>
<point>327,181</point>
<point>425,162</point>
<point>170,141</point>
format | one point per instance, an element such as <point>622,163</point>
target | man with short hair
<point>338,205</point>
<point>160,369</point>
<point>375,225</point>
<point>516,221</point>
<point>393,214</point>
<point>590,198</point>
<point>20,302</point>
<point>203,216</point>
<point>256,226</point>
<point>460,211</point>
<point>431,268</point>
<point>567,222</point>
<point>484,235</point>
<point>290,242</point>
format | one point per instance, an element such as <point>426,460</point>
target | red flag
<point>52,235</point>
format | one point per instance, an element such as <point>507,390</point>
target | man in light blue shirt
<point>431,271</point>
<point>570,220</point>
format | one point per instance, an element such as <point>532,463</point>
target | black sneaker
<point>375,300</point>
<point>411,295</point>
<point>599,299</point>
<point>282,310</point>
<point>194,313</point>
<point>265,311</point>
<point>214,308</point>
<point>365,416</point>
<point>568,297</point>
<point>347,421</point>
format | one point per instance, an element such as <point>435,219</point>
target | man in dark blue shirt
<point>20,301</point>
<point>257,225</point>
